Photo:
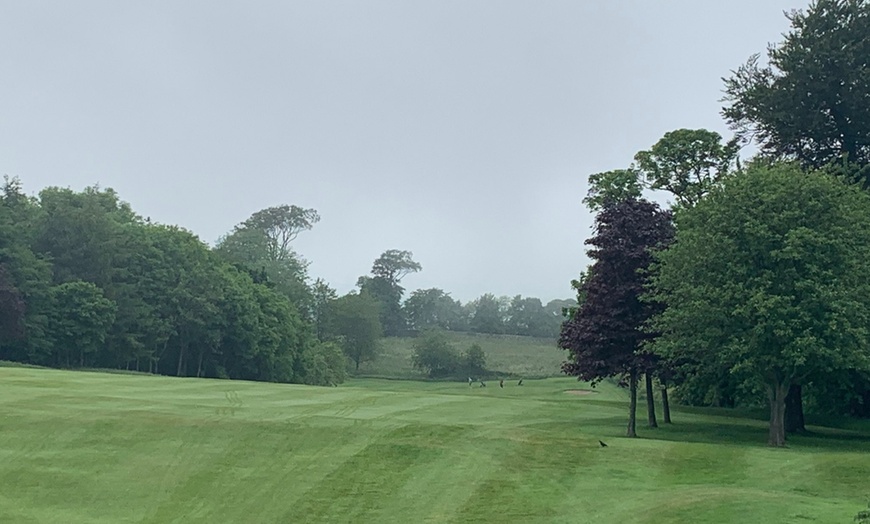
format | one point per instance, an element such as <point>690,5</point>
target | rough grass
<point>100,448</point>
<point>508,354</point>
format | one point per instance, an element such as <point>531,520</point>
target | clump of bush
<point>438,358</point>
<point>863,517</point>
<point>325,365</point>
<point>474,361</point>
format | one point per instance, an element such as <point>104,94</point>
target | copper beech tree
<point>605,336</point>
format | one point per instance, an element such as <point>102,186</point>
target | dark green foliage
<point>766,279</point>
<point>393,265</point>
<point>79,321</point>
<point>610,187</point>
<point>434,309</point>
<point>384,285</point>
<point>323,299</point>
<point>474,360</point>
<point>435,356</point>
<point>688,163</point>
<point>262,244</point>
<point>809,103</point>
<point>388,296</point>
<point>324,365</point>
<point>12,309</point>
<point>29,276</point>
<point>488,315</point>
<point>355,323</point>
<point>863,516</point>
<point>100,287</point>
<point>526,316</point>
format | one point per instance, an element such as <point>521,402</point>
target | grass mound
<point>508,355</point>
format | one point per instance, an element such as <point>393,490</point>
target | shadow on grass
<point>735,431</point>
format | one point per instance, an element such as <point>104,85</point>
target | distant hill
<point>510,354</point>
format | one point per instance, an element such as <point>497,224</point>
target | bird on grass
<point>603,445</point>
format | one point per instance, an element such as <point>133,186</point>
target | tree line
<point>85,282</point>
<point>751,289</point>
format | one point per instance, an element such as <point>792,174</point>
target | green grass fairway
<point>521,356</point>
<point>81,447</point>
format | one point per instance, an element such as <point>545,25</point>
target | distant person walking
<point>470,381</point>
<point>501,383</point>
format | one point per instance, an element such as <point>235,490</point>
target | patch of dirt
<point>580,391</point>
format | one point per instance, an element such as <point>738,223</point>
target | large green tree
<point>487,315</point>
<point>808,102</point>
<point>323,298</point>
<point>767,278</point>
<point>527,316</point>
<point>688,163</point>
<point>356,325</point>
<point>385,286</point>
<point>433,309</point>
<point>79,322</point>
<point>610,187</point>
<point>263,243</point>
<point>435,355</point>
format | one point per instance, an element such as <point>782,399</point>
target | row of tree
<point>753,286</point>
<point>86,282</point>
<point>433,308</point>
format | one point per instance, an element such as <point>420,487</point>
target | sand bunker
<point>580,391</point>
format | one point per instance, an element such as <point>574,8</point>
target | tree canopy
<point>808,102</point>
<point>85,282</point>
<point>610,187</point>
<point>688,163</point>
<point>767,278</point>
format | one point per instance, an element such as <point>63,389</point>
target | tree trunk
<point>650,401</point>
<point>180,359</point>
<point>794,410</point>
<point>777,393</point>
<point>632,406</point>
<point>666,406</point>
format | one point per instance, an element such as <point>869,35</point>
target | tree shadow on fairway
<point>754,434</point>
<point>732,430</point>
<point>828,438</point>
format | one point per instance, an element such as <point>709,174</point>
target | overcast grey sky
<point>460,130</point>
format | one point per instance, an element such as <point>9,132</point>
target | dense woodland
<point>87,283</point>
<point>751,289</point>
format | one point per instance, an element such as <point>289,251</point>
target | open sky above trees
<point>403,124</point>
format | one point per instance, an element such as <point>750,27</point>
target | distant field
<point>80,447</point>
<point>514,355</point>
